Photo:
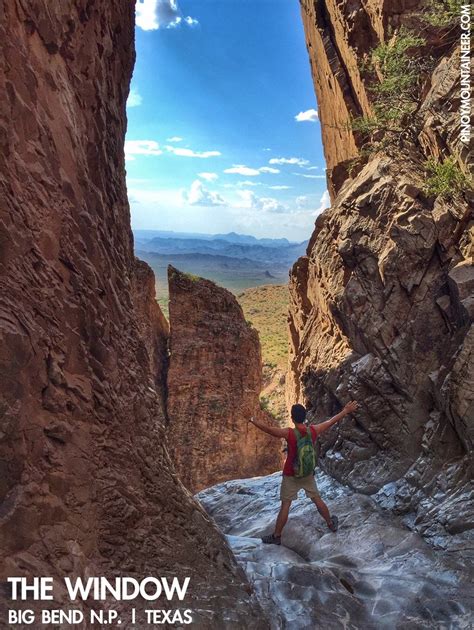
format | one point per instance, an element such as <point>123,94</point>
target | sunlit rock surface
<point>373,573</point>
<point>214,382</point>
<point>87,487</point>
<point>381,308</point>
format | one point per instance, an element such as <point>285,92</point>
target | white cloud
<point>190,153</point>
<point>248,199</point>
<point>310,176</point>
<point>292,160</point>
<point>244,184</point>
<point>141,147</point>
<point>246,171</point>
<point>187,20</point>
<point>146,14</point>
<point>154,14</point>
<point>176,22</point>
<point>324,202</point>
<point>209,177</point>
<point>151,147</point>
<point>165,209</point>
<point>241,169</point>
<point>174,139</point>
<point>312,168</point>
<point>280,187</point>
<point>302,201</point>
<point>139,195</point>
<point>272,205</point>
<point>200,196</point>
<point>268,169</point>
<point>310,115</point>
<point>247,183</point>
<point>134,99</point>
<point>267,204</point>
<point>303,206</point>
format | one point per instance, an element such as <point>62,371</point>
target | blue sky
<point>223,133</point>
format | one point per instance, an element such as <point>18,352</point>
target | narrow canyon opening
<point>377,308</point>
<point>247,196</point>
<point>105,411</point>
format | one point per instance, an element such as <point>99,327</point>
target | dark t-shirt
<point>288,469</point>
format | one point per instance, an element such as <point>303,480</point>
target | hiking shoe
<point>334,524</point>
<point>271,539</point>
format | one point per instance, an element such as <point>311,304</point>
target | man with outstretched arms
<point>300,464</point>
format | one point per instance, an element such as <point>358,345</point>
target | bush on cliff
<point>446,178</point>
<point>444,13</point>
<point>395,93</point>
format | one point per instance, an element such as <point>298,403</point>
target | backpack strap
<point>300,437</point>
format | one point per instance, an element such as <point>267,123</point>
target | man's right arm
<point>275,431</point>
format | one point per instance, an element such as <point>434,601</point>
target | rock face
<point>381,306</point>
<point>154,328</point>
<point>87,486</point>
<point>373,573</point>
<point>214,382</point>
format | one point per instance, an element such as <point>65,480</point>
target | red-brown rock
<point>87,487</point>
<point>154,328</point>
<point>214,382</point>
<point>381,307</point>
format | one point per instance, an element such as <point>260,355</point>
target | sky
<point>223,131</point>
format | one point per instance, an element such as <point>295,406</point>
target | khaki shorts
<point>291,485</point>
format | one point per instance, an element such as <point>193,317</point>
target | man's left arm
<point>348,409</point>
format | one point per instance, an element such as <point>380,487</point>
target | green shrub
<point>191,276</point>
<point>366,124</point>
<point>399,75</point>
<point>444,12</point>
<point>400,72</point>
<point>385,117</point>
<point>446,178</point>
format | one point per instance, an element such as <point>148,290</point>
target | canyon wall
<point>214,382</point>
<point>87,485</point>
<point>153,326</point>
<point>382,304</point>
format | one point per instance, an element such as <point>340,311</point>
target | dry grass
<point>266,307</point>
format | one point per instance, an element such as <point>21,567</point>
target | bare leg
<point>323,510</point>
<point>282,517</point>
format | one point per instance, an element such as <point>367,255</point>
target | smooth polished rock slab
<point>374,573</point>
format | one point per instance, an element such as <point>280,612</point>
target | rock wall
<point>214,382</point>
<point>86,485</point>
<point>153,325</point>
<point>381,306</point>
<point>339,36</point>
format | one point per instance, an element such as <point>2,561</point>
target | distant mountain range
<point>231,237</point>
<point>273,252</point>
<point>235,261</point>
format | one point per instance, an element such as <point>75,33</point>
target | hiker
<point>300,464</point>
